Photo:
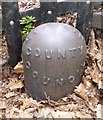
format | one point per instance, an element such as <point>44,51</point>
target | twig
<point>5,76</point>
<point>88,106</point>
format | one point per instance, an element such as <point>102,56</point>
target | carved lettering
<point>46,80</point>
<point>57,81</point>
<point>73,49</point>
<point>37,52</point>
<point>78,71</point>
<point>28,65</point>
<point>60,82</point>
<point>48,54</point>
<point>71,79</point>
<point>61,53</point>
<point>80,48</point>
<point>82,65</point>
<point>29,51</point>
<point>35,74</point>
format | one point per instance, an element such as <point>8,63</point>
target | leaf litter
<point>83,103</point>
<point>86,100</point>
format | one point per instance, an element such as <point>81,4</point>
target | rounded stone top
<point>54,56</point>
<point>54,33</point>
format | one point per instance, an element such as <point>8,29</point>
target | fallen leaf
<point>17,85</point>
<point>18,113</point>
<point>92,42</point>
<point>99,55</point>
<point>2,104</point>
<point>45,112</point>
<point>100,84</point>
<point>100,65</point>
<point>81,91</point>
<point>80,114</point>
<point>29,102</point>
<point>64,99</point>
<point>59,19</point>
<point>93,101</point>
<point>96,74</point>
<point>30,110</point>
<point>9,94</point>
<point>62,114</point>
<point>25,114</point>
<point>14,85</point>
<point>87,82</point>
<point>99,111</point>
<point>19,68</point>
<point>13,112</point>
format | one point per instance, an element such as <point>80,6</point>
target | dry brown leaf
<point>89,61</point>
<point>13,113</point>
<point>29,102</point>
<point>64,99</point>
<point>87,82</point>
<point>59,18</point>
<point>92,42</point>
<point>100,66</point>
<point>18,113</point>
<point>2,104</point>
<point>80,114</point>
<point>96,74</point>
<point>99,111</point>
<point>25,114</point>
<point>46,112</point>
<point>1,114</point>
<point>81,91</point>
<point>76,98</point>
<point>93,101</point>
<point>14,79</point>
<point>72,107</point>
<point>14,85</point>
<point>99,55</point>
<point>19,68</point>
<point>62,114</point>
<point>99,43</point>
<point>9,94</point>
<point>100,84</point>
<point>30,110</point>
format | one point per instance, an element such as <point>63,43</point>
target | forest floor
<point>85,102</point>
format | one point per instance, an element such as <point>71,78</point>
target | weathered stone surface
<point>54,57</point>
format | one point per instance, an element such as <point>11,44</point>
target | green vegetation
<point>28,24</point>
